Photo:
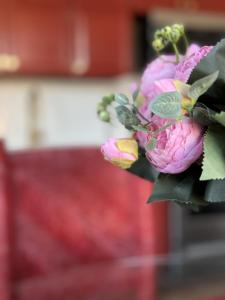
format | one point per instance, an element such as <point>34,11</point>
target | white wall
<point>66,112</point>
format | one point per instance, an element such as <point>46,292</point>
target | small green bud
<point>107,100</point>
<point>158,45</point>
<point>179,27</point>
<point>167,32</point>
<point>100,107</point>
<point>104,116</point>
<point>175,36</point>
<point>158,34</point>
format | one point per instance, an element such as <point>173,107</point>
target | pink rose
<point>187,65</point>
<point>177,147</point>
<point>120,152</point>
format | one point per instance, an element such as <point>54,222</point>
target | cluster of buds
<point>102,111</point>
<point>166,35</point>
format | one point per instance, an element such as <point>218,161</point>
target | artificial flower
<point>120,152</point>
<point>177,147</point>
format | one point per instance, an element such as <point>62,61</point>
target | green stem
<point>186,41</point>
<point>140,114</point>
<point>176,52</point>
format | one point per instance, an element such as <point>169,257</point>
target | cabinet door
<point>5,39</point>
<point>40,40</point>
<point>101,43</point>
<point>4,31</point>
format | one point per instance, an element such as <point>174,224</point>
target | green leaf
<point>215,191</point>
<point>184,188</point>
<point>107,100</point>
<point>164,127</point>
<point>203,115</point>
<point>140,128</point>
<point>220,118</point>
<point>151,144</point>
<point>167,105</point>
<point>215,60</point>
<point>200,86</point>
<point>127,117</point>
<point>176,187</point>
<point>142,168</point>
<point>135,94</point>
<point>214,154</point>
<point>121,99</point>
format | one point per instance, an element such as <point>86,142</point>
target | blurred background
<point>73,227</point>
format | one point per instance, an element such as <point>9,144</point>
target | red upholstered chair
<point>65,211</point>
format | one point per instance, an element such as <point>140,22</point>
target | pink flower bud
<point>120,152</point>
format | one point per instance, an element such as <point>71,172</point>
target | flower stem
<point>176,52</point>
<point>140,114</point>
<point>186,41</point>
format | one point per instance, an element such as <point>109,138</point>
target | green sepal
<point>142,168</point>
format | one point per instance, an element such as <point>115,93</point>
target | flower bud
<point>175,36</point>
<point>158,44</point>
<point>121,152</point>
<point>179,27</point>
<point>158,34</point>
<point>104,116</point>
<point>167,32</point>
<point>100,107</point>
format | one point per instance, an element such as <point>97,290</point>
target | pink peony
<point>159,74</point>
<point>157,87</point>
<point>177,147</point>
<point>161,68</point>
<point>187,65</point>
<point>120,152</point>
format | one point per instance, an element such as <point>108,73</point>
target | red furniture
<point>63,211</point>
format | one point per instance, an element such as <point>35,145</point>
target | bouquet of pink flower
<point>177,121</point>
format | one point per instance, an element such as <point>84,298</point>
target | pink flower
<point>120,152</point>
<point>161,68</point>
<point>157,87</point>
<point>187,65</point>
<point>157,77</point>
<point>177,147</point>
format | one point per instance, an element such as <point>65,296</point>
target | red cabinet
<point>40,39</point>
<point>43,38</point>
<point>101,43</point>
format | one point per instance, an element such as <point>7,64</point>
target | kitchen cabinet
<point>101,43</point>
<point>45,39</point>
<point>40,40</point>
<point>75,37</point>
